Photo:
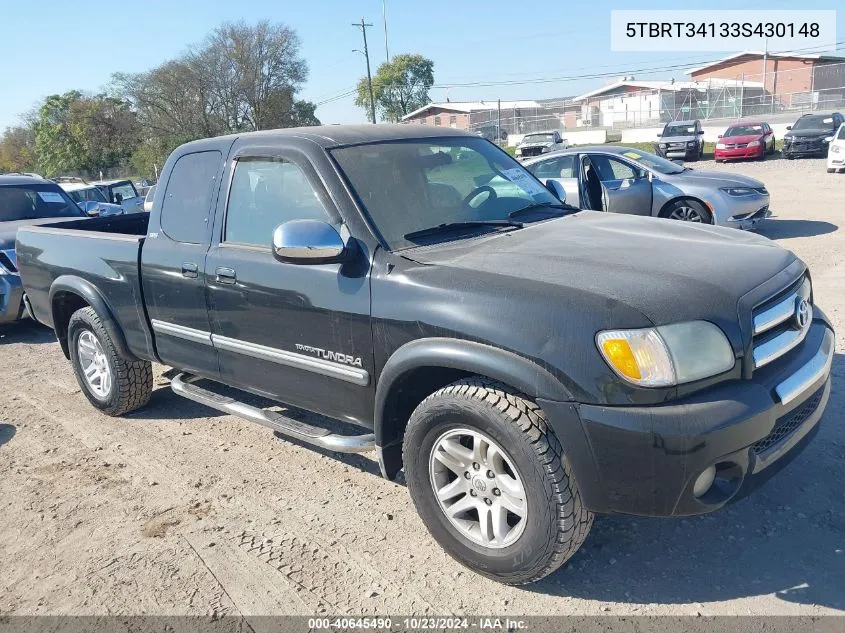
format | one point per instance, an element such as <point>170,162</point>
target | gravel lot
<point>178,510</point>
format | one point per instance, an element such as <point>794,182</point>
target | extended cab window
<point>187,199</point>
<point>265,193</point>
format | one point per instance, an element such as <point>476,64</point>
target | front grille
<point>736,145</point>
<point>7,260</point>
<point>787,424</point>
<point>677,145</point>
<point>776,323</point>
<point>532,151</point>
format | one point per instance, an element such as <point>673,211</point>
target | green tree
<point>400,86</point>
<point>58,149</point>
<point>17,150</point>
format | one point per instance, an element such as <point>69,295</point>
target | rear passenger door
<point>298,333</point>
<point>173,261</point>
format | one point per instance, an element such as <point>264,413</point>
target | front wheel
<point>688,211</point>
<point>110,382</point>
<point>491,482</point>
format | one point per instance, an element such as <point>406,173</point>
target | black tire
<point>132,380</point>
<point>677,205</point>
<point>558,521</point>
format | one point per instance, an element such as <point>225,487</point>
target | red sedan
<point>745,140</point>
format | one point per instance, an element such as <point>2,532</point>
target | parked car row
<point>526,363</point>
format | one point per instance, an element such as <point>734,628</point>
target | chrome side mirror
<point>557,189</point>
<point>90,207</point>
<point>307,242</point>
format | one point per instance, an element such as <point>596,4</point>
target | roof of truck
<point>336,135</point>
<point>22,180</point>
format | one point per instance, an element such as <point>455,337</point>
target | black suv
<point>811,134</point>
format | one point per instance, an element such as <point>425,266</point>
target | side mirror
<point>659,134</point>
<point>788,127</point>
<point>90,207</point>
<point>307,242</point>
<point>556,189</point>
<point>701,131</point>
<point>720,136</point>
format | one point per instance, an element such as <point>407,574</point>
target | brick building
<point>790,79</point>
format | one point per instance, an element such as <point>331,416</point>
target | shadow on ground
<point>26,331</point>
<point>7,432</point>
<point>165,405</point>
<point>776,228</point>
<point>786,539</point>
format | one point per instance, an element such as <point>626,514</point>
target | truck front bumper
<point>646,460</point>
<point>11,298</point>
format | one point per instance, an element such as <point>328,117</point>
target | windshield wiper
<point>556,209</point>
<point>450,226</point>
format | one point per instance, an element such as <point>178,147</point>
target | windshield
<point>745,130</point>
<point>538,138</point>
<point>679,130</point>
<point>412,185</point>
<point>90,193</point>
<point>30,202</point>
<point>655,163</point>
<point>814,122</point>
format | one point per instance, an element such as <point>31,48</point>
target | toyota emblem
<point>802,313</point>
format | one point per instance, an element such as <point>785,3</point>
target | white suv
<point>836,151</point>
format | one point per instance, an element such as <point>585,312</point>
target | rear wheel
<point>111,383</point>
<point>688,211</point>
<point>491,482</point>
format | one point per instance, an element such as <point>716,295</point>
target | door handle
<point>225,275</point>
<point>190,270</point>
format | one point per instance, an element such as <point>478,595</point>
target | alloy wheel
<point>687,214</point>
<point>478,488</point>
<point>94,364</point>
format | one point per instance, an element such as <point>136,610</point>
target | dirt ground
<point>178,510</point>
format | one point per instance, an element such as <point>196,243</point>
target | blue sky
<point>56,45</point>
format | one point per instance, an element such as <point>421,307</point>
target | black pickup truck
<point>527,364</point>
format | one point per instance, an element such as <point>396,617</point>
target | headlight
<point>691,143</point>
<point>720,146</point>
<point>754,144</point>
<point>663,146</point>
<point>737,191</point>
<point>786,139</point>
<point>827,139</point>
<point>518,152</point>
<point>544,150</point>
<point>667,355</point>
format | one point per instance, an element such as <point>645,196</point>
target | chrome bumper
<point>810,373</point>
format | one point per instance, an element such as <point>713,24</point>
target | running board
<point>182,385</point>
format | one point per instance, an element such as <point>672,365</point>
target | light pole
<point>363,26</point>
<point>384,19</point>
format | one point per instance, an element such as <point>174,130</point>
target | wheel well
<point>64,305</point>
<point>665,208</point>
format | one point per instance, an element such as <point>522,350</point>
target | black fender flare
<point>475,358</point>
<point>94,298</point>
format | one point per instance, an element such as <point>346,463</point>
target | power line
<point>645,70</point>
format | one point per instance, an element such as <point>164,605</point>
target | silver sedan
<point>626,180</point>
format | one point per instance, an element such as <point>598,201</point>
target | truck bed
<point>99,255</point>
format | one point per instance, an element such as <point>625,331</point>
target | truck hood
<point>8,230</point>
<point>667,270</point>
<point>678,139</point>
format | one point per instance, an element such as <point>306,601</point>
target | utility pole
<point>765,60</point>
<point>499,122</point>
<point>384,18</point>
<point>363,26</point>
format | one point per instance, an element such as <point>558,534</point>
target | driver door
<point>280,327</point>
<point>625,186</point>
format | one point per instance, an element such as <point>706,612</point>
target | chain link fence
<point>779,96</point>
